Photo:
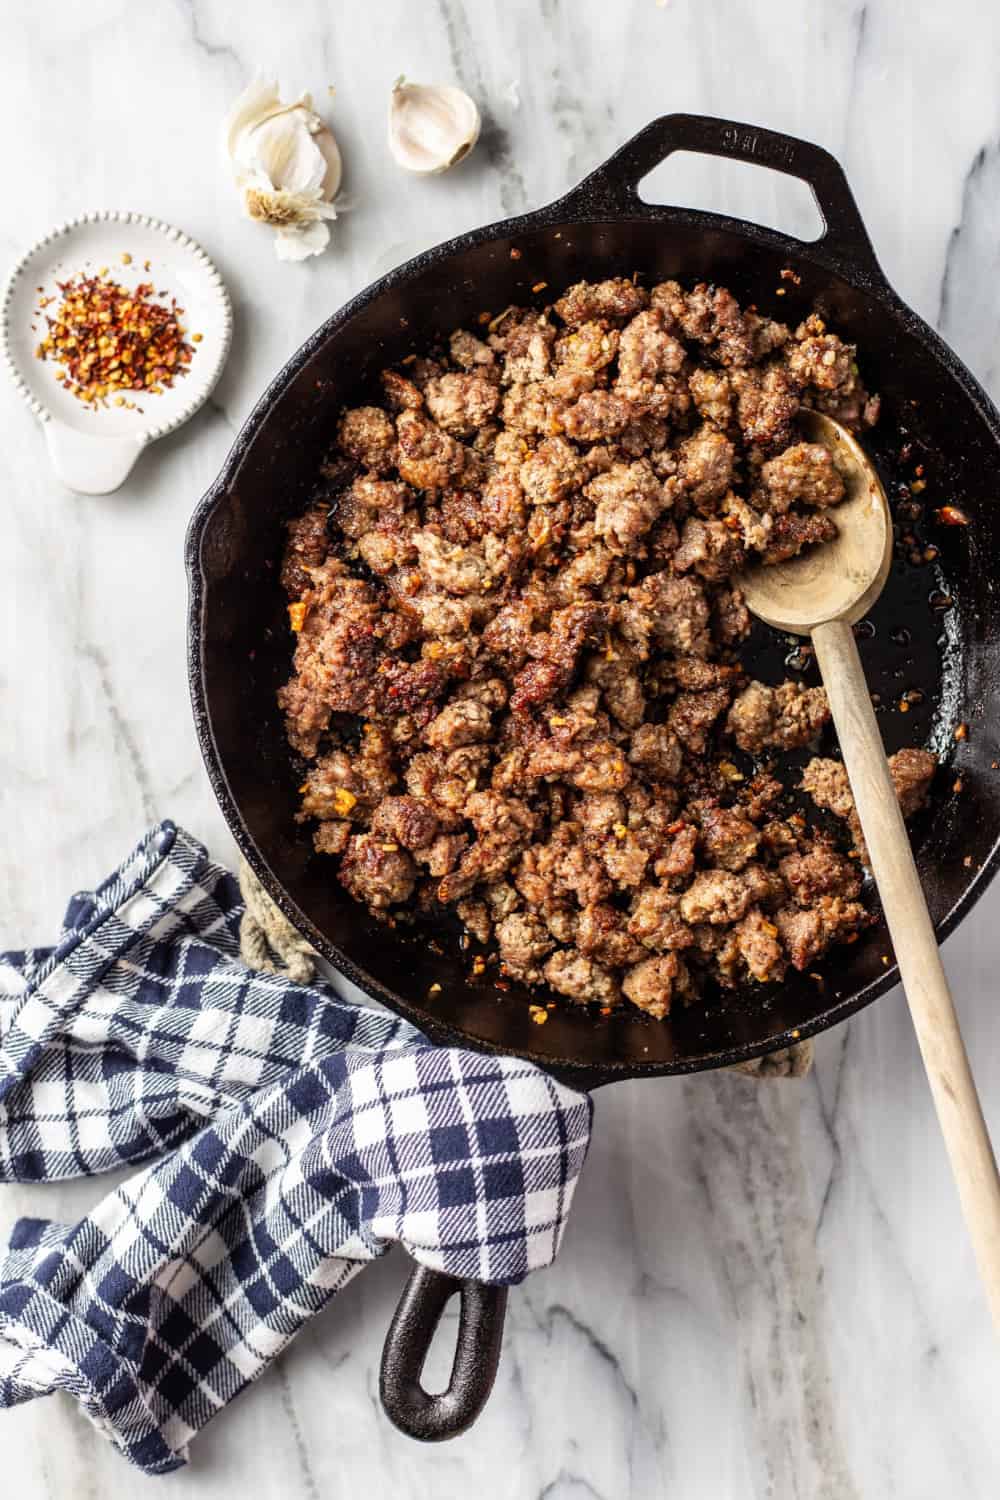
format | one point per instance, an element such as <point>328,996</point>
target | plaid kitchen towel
<point>298,1137</point>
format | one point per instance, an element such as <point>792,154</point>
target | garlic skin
<point>286,164</point>
<point>431,126</point>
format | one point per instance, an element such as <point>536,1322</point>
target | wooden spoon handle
<point>923,976</point>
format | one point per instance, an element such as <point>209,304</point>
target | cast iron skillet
<point>239,652</point>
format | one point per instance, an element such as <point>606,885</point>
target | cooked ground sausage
<point>514,682</point>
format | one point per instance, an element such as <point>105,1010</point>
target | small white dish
<point>93,451</point>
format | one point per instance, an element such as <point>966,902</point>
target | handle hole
<point>435,1376</point>
<point>744,190</point>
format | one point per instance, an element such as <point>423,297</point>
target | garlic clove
<point>287,167</point>
<point>286,152</point>
<point>327,145</point>
<point>431,126</point>
<point>300,243</point>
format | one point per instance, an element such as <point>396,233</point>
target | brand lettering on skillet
<point>749,143</point>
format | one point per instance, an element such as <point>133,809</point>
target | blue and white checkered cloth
<point>298,1137</point>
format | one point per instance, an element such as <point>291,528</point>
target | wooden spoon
<point>822,593</point>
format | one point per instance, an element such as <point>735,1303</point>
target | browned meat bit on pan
<point>596,415</point>
<point>462,404</point>
<point>818,358</point>
<point>652,984</point>
<point>758,947</point>
<point>367,435</point>
<point>827,368</point>
<point>602,933</point>
<point>524,941</point>
<point>766,335</point>
<point>715,896</point>
<point>730,616</point>
<point>579,978</point>
<point>470,353</point>
<point>592,346</point>
<point>706,466</point>
<point>820,871</point>
<point>912,772</point>
<point>552,472</point>
<point>515,630</point>
<point>629,498</point>
<point>668,612</point>
<point>406,821</point>
<point>805,472</point>
<point>369,502</point>
<point>712,549</point>
<point>525,339</point>
<point>806,933</point>
<point>377,872</point>
<point>826,782</point>
<point>692,715</point>
<point>307,548</point>
<point>766,402</point>
<point>647,351</point>
<point>713,395</point>
<point>711,316</point>
<point>400,393</point>
<point>614,299</point>
<point>792,533</point>
<point>332,837</point>
<point>781,718</point>
<point>428,458</point>
<point>729,840</point>
<point>656,919</point>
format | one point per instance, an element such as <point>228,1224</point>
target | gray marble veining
<point>766,1290</point>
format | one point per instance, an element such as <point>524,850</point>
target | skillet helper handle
<point>917,954</point>
<point>432,1418</point>
<point>613,187</point>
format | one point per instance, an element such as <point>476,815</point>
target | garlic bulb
<point>431,127</point>
<point>287,168</point>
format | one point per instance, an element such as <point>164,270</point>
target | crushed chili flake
<point>106,338</point>
<point>538,1014</point>
<point>962,732</point>
<point>950,515</point>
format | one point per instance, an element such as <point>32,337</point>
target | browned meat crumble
<point>516,681</point>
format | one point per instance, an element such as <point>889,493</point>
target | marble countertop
<point>766,1290</point>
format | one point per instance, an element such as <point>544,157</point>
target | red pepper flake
<point>105,339</point>
<point>515,253</point>
<point>957,784</point>
<point>967,861</point>
<point>539,286</point>
<point>787,274</point>
<point>962,732</point>
<point>950,515</point>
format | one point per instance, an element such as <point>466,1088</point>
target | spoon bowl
<point>841,579</point>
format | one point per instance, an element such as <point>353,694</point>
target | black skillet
<point>944,655</point>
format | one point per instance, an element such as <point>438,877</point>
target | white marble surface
<point>766,1290</point>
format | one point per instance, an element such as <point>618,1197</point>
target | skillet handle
<point>613,187</point>
<point>477,1354</point>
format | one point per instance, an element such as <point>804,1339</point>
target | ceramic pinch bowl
<point>93,450</point>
